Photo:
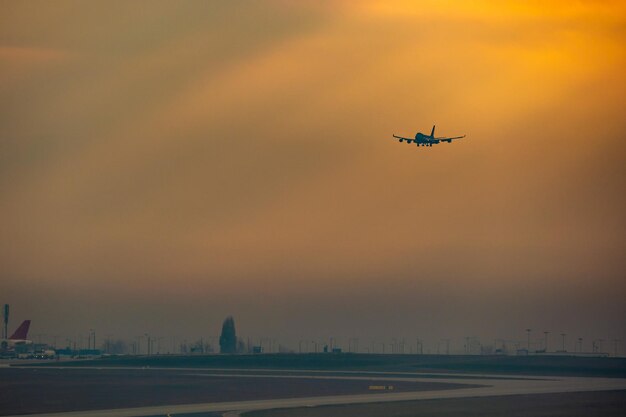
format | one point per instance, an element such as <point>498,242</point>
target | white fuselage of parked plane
<point>11,343</point>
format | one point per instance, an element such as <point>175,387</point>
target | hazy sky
<point>165,164</point>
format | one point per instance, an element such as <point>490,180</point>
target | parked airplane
<point>427,140</point>
<point>19,337</point>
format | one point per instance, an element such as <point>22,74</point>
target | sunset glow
<point>177,162</point>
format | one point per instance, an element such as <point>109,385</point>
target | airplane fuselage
<point>422,140</point>
<point>11,343</point>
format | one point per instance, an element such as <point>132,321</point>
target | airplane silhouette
<point>427,140</point>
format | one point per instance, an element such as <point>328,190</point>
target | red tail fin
<point>22,332</point>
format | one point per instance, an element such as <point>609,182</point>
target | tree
<point>228,338</point>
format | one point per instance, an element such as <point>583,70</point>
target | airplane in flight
<point>19,337</point>
<point>427,140</point>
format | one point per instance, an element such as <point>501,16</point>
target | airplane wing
<point>400,137</point>
<point>449,140</point>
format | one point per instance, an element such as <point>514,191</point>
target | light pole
<point>108,343</point>
<point>563,340</point>
<point>447,342</point>
<point>597,345</point>
<point>354,345</point>
<point>528,334</point>
<point>546,341</point>
<point>159,345</point>
<point>615,342</point>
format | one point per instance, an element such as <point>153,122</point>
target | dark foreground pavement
<point>580,404</point>
<point>45,390</point>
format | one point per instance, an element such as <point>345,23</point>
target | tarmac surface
<point>482,386</point>
<point>577,404</point>
<point>59,389</point>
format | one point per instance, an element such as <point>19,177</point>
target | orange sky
<point>165,164</point>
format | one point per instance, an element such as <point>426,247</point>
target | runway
<point>488,385</point>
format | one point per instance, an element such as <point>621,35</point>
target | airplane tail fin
<point>22,332</point>
<point>432,132</point>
